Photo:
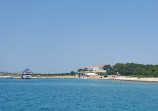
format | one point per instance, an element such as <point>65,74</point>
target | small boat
<point>83,78</point>
<point>6,77</point>
<point>26,74</point>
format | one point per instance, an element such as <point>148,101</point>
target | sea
<point>77,95</point>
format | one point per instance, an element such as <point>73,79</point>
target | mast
<point>2,66</point>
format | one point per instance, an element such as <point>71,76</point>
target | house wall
<point>96,69</point>
<point>96,77</point>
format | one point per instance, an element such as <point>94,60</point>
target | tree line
<point>132,69</point>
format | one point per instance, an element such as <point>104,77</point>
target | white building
<point>93,71</point>
<point>96,69</point>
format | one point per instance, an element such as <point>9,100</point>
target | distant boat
<point>83,78</point>
<point>26,74</point>
<point>7,77</point>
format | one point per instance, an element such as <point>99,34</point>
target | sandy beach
<point>128,78</point>
<point>110,77</point>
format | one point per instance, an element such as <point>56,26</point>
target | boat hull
<point>26,77</point>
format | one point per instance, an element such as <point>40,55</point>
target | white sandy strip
<point>127,78</point>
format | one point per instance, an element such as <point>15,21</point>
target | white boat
<point>26,74</point>
<point>83,78</point>
<point>8,77</point>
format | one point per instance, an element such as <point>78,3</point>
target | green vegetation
<point>82,70</point>
<point>104,74</point>
<point>133,69</point>
<point>72,73</point>
<point>107,67</point>
<point>129,69</point>
<point>50,75</point>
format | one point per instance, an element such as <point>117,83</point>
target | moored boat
<point>26,74</point>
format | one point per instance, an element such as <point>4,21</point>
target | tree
<point>140,71</point>
<point>107,67</point>
<point>72,73</point>
<point>82,70</point>
<point>129,69</point>
<point>155,73</point>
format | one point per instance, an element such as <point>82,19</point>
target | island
<point>119,71</point>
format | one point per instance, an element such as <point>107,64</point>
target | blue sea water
<point>77,95</point>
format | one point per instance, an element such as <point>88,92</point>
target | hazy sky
<point>62,35</point>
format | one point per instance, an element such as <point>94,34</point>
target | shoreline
<point>110,77</point>
<point>128,78</point>
<point>51,77</point>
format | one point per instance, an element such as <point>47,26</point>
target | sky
<point>54,36</point>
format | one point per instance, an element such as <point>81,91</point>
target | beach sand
<point>128,78</point>
<point>110,77</point>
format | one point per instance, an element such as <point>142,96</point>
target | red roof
<point>57,73</point>
<point>96,66</point>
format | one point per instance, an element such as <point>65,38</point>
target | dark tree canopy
<point>129,69</point>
